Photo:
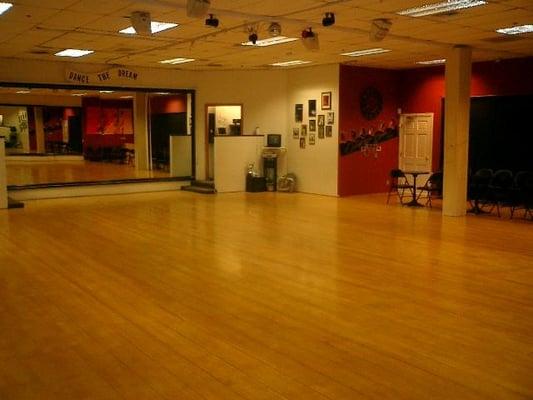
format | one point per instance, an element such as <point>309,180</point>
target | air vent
<point>503,39</point>
<point>40,52</point>
<point>446,14</point>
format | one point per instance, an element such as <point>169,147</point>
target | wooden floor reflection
<point>35,172</point>
<point>262,296</point>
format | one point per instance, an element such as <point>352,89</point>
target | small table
<point>414,174</point>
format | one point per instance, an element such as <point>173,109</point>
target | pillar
<point>140,108</point>
<point>39,129</point>
<point>3,174</point>
<point>456,130</point>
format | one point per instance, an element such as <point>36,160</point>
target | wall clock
<point>371,103</point>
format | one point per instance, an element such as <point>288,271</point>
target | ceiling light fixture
<point>516,30</point>
<point>432,62</point>
<point>329,19</point>
<point>78,94</point>
<point>155,26</point>
<point>366,52</point>
<point>267,42</point>
<point>162,93</point>
<point>179,60</point>
<point>442,7</point>
<point>290,63</point>
<point>73,53</point>
<point>212,21</point>
<point>197,8</point>
<point>4,7</point>
<point>310,39</point>
<point>274,29</point>
<point>379,29</point>
<point>126,97</point>
<point>106,91</point>
<point>23,91</point>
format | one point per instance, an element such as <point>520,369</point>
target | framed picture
<point>312,138</point>
<point>330,118</point>
<point>295,133</point>
<point>329,131</point>
<point>298,113</point>
<point>302,143</point>
<point>312,125</point>
<point>304,130</point>
<point>321,132</point>
<point>312,108</point>
<point>326,101</point>
<point>321,120</point>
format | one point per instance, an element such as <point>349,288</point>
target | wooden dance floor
<point>262,296</point>
<point>35,172</point>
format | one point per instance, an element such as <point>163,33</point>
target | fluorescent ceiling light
<point>162,93</point>
<point>73,53</point>
<point>23,91</point>
<point>4,7</point>
<point>107,91</point>
<point>79,94</point>
<point>430,62</point>
<point>516,30</point>
<point>126,97</point>
<point>367,52</point>
<point>290,63</point>
<point>179,60</point>
<point>442,7</point>
<point>270,41</point>
<point>155,27</point>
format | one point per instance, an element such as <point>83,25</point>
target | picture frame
<point>312,108</point>
<point>303,131</point>
<point>298,112</point>
<point>330,118</point>
<point>321,120</point>
<point>312,139</point>
<point>295,133</point>
<point>302,143</point>
<point>329,131</point>
<point>321,132</point>
<point>325,101</point>
<point>312,125</point>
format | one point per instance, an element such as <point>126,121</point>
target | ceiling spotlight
<point>329,19</point>
<point>197,8</point>
<point>274,29</point>
<point>379,29</point>
<point>141,22</point>
<point>212,21</point>
<point>310,39</point>
<point>253,37</point>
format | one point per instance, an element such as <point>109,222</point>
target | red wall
<point>359,174</point>
<point>168,104</point>
<point>417,90</point>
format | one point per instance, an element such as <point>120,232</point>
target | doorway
<point>416,142</point>
<point>222,120</point>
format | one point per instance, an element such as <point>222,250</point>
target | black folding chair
<point>399,184</point>
<point>478,189</point>
<point>500,189</point>
<point>432,188</point>
<point>522,193</point>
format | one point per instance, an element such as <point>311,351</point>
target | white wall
<point>315,166</point>
<point>29,99</point>
<point>268,99</point>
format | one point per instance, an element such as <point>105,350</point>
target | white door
<point>416,141</point>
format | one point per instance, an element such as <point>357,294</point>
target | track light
<point>253,37</point>
<point>379,29</point>
<point>197,8</point>
<point>274,29</point>
<point>329,19</point>
<point>212,21</point>
<point>310,39</point>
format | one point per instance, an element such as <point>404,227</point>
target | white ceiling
<point>36,29</point>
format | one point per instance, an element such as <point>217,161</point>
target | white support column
<point>3,174</point>
<point>456,130</point>
<point>140,107</point>
<point>39,129</point>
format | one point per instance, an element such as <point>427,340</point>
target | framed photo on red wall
<point>325,101</point>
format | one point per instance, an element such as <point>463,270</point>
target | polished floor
<point>262,296</point>
<point>35,172</point>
